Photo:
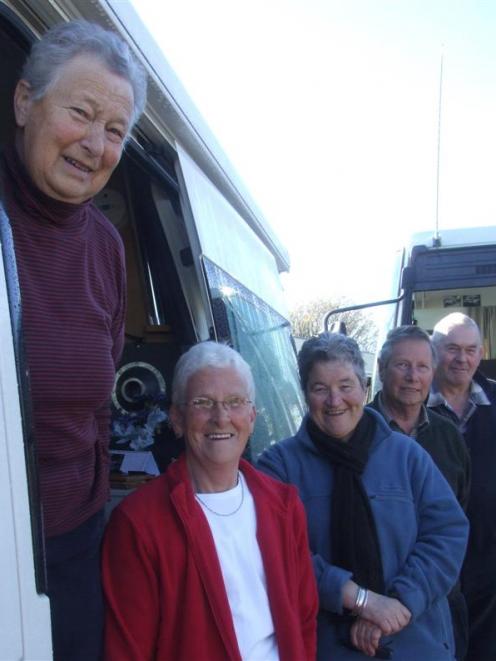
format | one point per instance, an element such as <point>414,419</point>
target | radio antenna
<point>437,239</point>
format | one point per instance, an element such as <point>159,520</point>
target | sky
<point>328,110</point>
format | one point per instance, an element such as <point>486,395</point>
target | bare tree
<point>307,320</point>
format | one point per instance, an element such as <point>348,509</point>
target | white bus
<point>453,272</point>
<point>201,261</point>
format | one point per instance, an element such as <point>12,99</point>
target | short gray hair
<point>330,347</point>
<point>67,40</point>
<point>399,334</point>
<point>450,321</point>
<point>202,356</point>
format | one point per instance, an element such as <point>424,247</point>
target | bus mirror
<point>407,278</point>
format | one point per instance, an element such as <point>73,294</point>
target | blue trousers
<point>75,592</point>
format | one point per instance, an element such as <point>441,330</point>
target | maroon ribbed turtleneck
<point>70,261</point>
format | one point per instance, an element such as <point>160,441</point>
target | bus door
<point>241,284</point>
<point>25,631</point>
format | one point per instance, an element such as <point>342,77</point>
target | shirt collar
<point>477,396</point>
<point>422,420</point>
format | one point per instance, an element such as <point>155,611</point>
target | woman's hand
<point>387,613</point>
<point>365,636</point>
<point>380,616</point>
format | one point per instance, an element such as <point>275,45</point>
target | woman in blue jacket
<point>386,532</point>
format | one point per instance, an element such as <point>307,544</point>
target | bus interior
<point>190,276</point>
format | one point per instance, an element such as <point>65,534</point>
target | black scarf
<point>354,541</point>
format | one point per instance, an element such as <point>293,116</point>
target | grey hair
<point>330,347</point>
<point>67,40</point>
<point>204,355</point>
<point>399,334</point>
<point>450,321</point>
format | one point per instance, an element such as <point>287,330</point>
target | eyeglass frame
<point>226,404</point>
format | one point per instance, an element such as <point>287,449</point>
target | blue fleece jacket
<point>421,528</point>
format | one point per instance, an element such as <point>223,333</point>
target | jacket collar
<point>181,488</point>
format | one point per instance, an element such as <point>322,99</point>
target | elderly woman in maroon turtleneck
<point>80,92</point>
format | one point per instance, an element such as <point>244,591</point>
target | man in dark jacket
<point>406,366</point>
<point>461,393</point>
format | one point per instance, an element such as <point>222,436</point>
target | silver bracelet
<point>365,602</point>
<point>360,601</point>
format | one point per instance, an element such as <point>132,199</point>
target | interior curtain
<point>485,318</point>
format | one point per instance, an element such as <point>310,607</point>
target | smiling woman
<point>212,533</point>
<point>78,96</point>
<point>386,532</point>
<point>335,398</point>
<point>216,433</point>
<point>72,138</point>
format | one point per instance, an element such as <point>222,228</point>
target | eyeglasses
<point>206,404</point>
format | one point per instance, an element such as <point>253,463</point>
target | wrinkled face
<point>71,140</point>
<point>215,438</point>
<point>460,353</point>
<point>407,377</point>
<point>335,398</point>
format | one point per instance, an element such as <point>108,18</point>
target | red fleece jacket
<point>163,584</point>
